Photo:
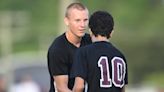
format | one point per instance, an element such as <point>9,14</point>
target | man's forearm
<point>63,90</point>
<point>61,82</point>
<point>77,90</point>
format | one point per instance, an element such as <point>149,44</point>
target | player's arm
<point>59,69</point>
<point>61,83</point>
<point>79,85</point>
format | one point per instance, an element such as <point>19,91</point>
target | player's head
<point>101,23</point>
<point>76,18</point>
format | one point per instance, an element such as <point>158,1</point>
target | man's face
<point>77,21</point>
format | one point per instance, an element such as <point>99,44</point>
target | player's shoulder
<point>58,43</point>
<point>59,40</point>
<point>118,52</point>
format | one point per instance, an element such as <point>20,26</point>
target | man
<point>61,52</point>
<point>100,64</point>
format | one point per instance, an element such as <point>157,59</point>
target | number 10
<point>118,72</point>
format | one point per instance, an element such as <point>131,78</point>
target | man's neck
<point>99,38</point>
<point>73,39</point>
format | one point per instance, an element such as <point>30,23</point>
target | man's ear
<point>90,32</point>
<point>110,35</point>
<point>66,21</point>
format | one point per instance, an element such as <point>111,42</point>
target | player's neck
<point>73,39</point>
<point>99,38</point>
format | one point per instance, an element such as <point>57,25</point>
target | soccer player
<point>100,64</point>
<point>62,50</point>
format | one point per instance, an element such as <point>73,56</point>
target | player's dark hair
<point>101,23</point>
<point>76,5</point>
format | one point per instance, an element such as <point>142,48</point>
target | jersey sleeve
<point>57,62</point>
<point>79,66</point>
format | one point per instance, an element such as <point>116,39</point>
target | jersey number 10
<point>118,72</point>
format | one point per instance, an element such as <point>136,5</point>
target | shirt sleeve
<point>57,62</point>
<point>79,66</point>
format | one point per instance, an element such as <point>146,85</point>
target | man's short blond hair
<point>78,6</point>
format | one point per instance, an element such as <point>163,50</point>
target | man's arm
<point>62,83</point>
<point>79,85</point>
